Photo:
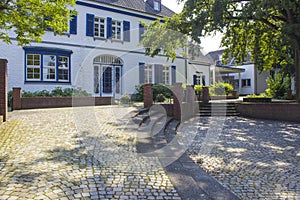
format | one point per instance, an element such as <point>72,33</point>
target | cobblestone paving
<point>256,159</point>
<point>76,153</point>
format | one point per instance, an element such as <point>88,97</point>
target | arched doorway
<point>107,75</point>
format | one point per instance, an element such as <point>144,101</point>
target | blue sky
<point>208,43</point>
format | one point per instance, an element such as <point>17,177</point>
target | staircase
<point>217,109</point>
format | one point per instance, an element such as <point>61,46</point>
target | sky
<point>208,43</point>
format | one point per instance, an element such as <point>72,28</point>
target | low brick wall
<point>272,111</point>
<point>56,102</point>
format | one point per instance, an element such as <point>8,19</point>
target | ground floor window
<point>47,64</point>
<point>246,82</point>
<point>157,73</point>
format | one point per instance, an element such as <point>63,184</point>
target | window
<point>246,82</point>
<point>33,66</point>
<point>116,30</point>
<point>166,74</point>
<point>63,68</point>
<point>47,64</point>
<point>156,6</point>
<point>148,73</point>
<point>99,27</point>
<point>49,67</point>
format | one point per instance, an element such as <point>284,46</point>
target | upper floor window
<point>47,64</point>
<point>99,27</point>
<point>116,30</point>
<point>156,6</point>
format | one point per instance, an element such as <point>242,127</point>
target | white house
<point>99,53</point>
<point>245,78</point>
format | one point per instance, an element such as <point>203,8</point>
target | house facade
<point>100,53</point>
<point>245,78</point>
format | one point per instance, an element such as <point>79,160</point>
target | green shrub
<point>125,99</point>
<point>56,92</point>
<point>156,89</point>
<point>160,98</point>
<point>198,89</point>
<point>278,86</point>
<point>262,95</point>
<point>220,88</point>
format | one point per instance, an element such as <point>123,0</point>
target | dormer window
<point>156,5</point>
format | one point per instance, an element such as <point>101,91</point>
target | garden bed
<point>259,100</point>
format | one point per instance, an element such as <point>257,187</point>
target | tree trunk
<point>297,73</point>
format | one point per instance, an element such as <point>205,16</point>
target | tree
<point>269,30</point>
<point>29,19</point>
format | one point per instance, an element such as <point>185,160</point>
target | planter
<point>258,100</point>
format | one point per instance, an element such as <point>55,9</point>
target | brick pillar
<point>3,88</point>
<point>205,94</point>
<point>17,94</point>
<point>178,97</point>
<point>148,95</point>
<point>191,101</point>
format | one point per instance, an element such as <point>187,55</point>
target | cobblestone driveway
<point>76,153</point>
<point>256,159</point>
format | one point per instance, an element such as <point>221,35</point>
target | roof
<point>139,5</point>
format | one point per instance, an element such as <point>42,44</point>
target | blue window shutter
<point>203,80</point>
<point>141,31</point>
<point>73,25</point>
<point>195,79</point>
<point>141,73</point>
<point>173,74</point>
<point>109,27</point>
<point>126,31</point>
<point>90,25</point>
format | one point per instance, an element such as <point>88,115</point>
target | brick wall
<point>272,111</point>
<point>3,89</point>
<point>148,95</point>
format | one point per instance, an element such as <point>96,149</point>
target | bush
<point>262,95</point>
<point>198,89</point>
<point>160,98</point>
<point>56,92</point>
<point>278,86</point>
<point>125,99</point>
<point>220,88</point>
<point>157,89</point>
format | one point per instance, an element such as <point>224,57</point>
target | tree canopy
<point>29,19</point>
<point>268,30</point>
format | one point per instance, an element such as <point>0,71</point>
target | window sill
<point>100,38</point>
<point>48,82</point>
<point>118,41</point>
<point>63,34</point>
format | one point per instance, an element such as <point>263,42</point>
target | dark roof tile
<point>139,5</point>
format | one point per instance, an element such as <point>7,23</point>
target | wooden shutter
<point>73,25</point>
<point>90,25</point>
<point>173,74</point>
<point>109,27</point>
<point>126,31</point>
<point>141,73</point>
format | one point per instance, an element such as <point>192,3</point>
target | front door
<point>107,80</point>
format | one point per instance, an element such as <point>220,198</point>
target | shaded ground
<point>256,159</point>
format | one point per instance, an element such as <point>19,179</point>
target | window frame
<point>246,82</point>
<point>149,73</point>
<point>166,74</point>
<point>32,67</point>
<point>114,26</point>
<point>41,52</point>
<point>99,23</point>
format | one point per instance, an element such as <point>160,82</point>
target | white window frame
<point>63,67</point>
<point>117,30</point>
<point>47,69</point>
<point>98,25</point>
<point>33,67</point>
<point>166,74</point>
<point>149,69</point>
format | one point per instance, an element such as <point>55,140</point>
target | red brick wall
<point>178,98</point>
<point>17,95</point>
<point>148,95</point>
<point>55,102</point>
<point>273,111</point>
<point>3,89</point>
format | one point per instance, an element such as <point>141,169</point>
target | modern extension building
<point>100,53</point>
